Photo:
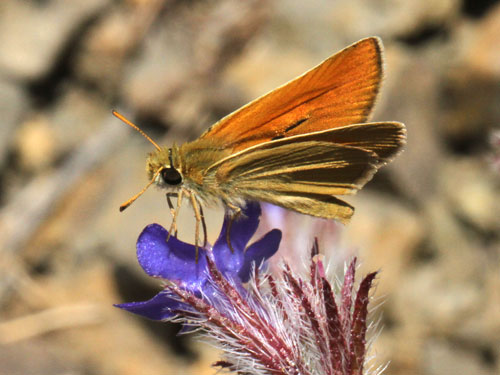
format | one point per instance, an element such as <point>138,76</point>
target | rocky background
<point>429,222</point>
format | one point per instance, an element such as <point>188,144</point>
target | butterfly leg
<point>235,214</point>
<point>204,225</point>
<point>173,226</point>
<point>171,206</point>
<point>198,213</point>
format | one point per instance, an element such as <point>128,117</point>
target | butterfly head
<point>163,168</point>
<point>162,165</point>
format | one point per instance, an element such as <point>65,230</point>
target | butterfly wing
<point>339,91</point>
<point>304,172</point>
<point>385,139</point>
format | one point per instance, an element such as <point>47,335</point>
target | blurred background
<point>429,222</point>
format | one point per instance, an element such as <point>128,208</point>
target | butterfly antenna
<point>131,200</point>
<point>121,117</point>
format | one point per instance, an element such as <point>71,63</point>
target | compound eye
<point>171,176</point>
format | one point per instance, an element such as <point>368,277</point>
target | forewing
<point>339,91</point>
<point>385,139</point>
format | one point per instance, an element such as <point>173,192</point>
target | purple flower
<point>175,261</point>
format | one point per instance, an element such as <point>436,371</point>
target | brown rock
<point>31,36</point>
<point>471,190</point>
<point>36,148</point>
<point>13,103</point>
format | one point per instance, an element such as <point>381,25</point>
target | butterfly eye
<point>171,176</point>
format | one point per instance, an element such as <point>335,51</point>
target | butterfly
<point>299,146</point>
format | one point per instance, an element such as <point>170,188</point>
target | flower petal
<point>173,260</point>
<point>242,229</point>
<point>160,307</point>
<point>258,252</point>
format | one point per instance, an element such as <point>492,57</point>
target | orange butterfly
<point>296,147</point>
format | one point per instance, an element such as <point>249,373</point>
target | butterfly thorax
<point>196,158</point>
